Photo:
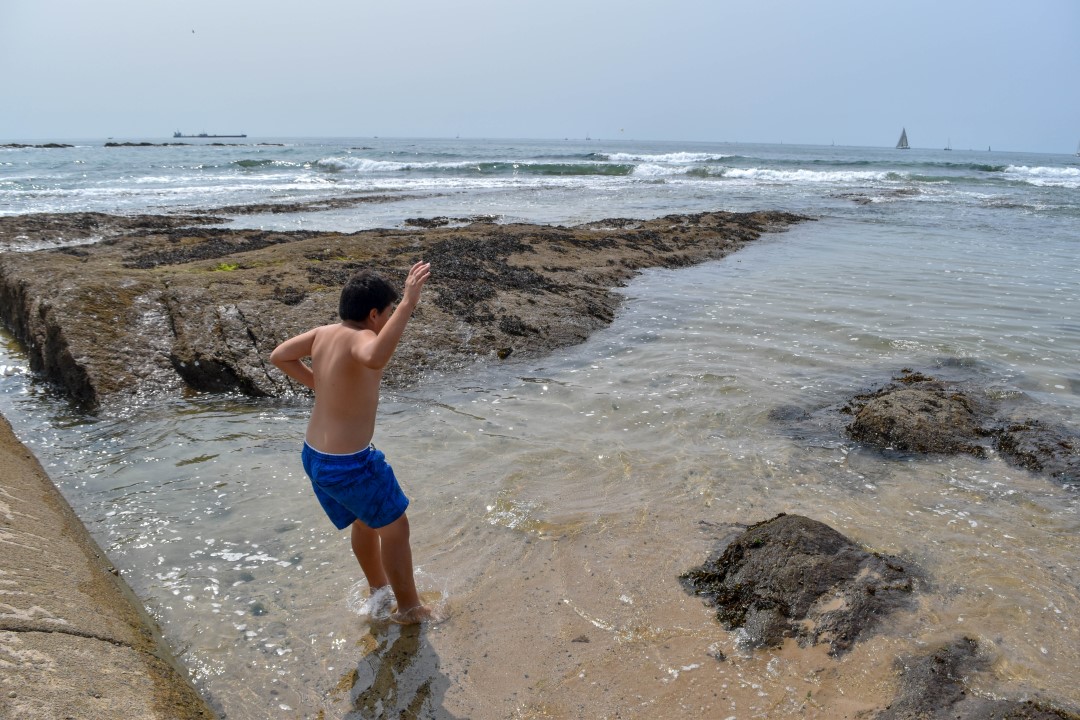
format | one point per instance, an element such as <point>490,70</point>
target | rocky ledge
<point>167,304</point>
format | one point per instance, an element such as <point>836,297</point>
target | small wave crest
<point>364,166</point>
<point>1066,177</point>
<point>652,170</point>
<point>565,168</point>
<point>801,176</point>
<point>266,162</point>
<point>678,158</point>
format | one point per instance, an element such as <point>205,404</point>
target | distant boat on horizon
<point>948,144</point>
<point>1078,149</point>
<point>902,143</point>
<point>179,134</point>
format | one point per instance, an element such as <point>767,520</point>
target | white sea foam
<point>682,158</point>
<point>652,170</point>
<point>154,179</point>
<point>802,176</point>
<point>1067,177</point>
<point>367,165</point>
<point>360,165</point>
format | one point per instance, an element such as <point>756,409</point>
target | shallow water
<point>555,502</point>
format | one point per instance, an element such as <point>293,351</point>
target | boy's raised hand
<point>418,275</point>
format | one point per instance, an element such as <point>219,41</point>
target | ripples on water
<point>557,500</point>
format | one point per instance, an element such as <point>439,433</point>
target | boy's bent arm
<point>288,358</point>
<point>376,353</point>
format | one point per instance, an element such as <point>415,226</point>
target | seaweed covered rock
<point>915,413</point>
<point>1042,448</point>
<point>792,576</point>
<point>932,687</point>
<point>962,408</point>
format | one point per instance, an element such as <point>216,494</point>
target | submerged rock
<point>1041,448</point>
<point>966,411</point>
<point>796,577</point>
<point>916,413</point>
<point>932,687</point>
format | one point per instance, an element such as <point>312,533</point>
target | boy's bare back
<point>347,361</point>
<point>346,391</point>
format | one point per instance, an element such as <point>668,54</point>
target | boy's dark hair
<point>365,291</point>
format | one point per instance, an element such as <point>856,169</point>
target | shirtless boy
<point>352,480</point>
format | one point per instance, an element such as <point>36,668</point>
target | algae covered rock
<point>964,408</point>
<point>918,414</point>
<point>933,687</point>
<point>792,576</point>
<point>1041,447</point>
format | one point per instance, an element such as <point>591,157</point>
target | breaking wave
<point>1066,177</point>
<point>255,164</point>
<point>363,166</point>
<point>801,176</point>
<point>681,158</point>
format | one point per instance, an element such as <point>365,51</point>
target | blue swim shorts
<point>357,486</point>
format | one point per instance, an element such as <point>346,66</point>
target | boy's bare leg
<point>367,546</point>
<point>397,560</point>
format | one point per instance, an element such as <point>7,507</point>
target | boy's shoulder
<point>336,330</point>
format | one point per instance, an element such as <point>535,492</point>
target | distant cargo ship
<point>179,134</point>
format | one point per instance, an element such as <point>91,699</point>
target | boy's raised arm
<point>377,353</point>
<point>288,355</point>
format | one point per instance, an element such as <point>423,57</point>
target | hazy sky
<point>979,72</point>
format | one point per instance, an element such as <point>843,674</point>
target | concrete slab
<point>74,640</point>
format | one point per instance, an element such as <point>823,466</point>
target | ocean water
<point>555,501</point>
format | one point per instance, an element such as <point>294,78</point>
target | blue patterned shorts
<point>357,486</point>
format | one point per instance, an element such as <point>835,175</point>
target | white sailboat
<point>1078,149</point>
<point>948,145</point>
<point>902,142</point>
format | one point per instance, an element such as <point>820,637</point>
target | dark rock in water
<point>440,221</point>
<point>796,577</point>
<point>932,688</point>
<point>964,412</point>
<point>443,221</point>
<point>916,413</point>
<point>1041,448</point>
<point>787,414</point>
<point>44,145</point>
